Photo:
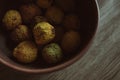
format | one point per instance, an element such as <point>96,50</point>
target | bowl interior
<point>86,9</point>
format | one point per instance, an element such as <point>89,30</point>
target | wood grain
<point>101,62</point>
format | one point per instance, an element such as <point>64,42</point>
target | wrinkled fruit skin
<point>71,41</point>
<point>11,19</point>
<point>25,52</point>
<point>52,53</point>
<point>55,15</point>
<point>43,33</point>
<point>44,3</point>
<point>20,33</point>
<point>29,11</point>
<point>38,19</point>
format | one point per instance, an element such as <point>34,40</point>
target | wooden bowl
<point>89,14</point>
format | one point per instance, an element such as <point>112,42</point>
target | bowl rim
<point>63,65</point>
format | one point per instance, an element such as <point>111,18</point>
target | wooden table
<point>101,62</point>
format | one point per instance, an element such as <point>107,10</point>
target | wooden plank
<point>101,62</point>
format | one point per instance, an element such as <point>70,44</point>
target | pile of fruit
<point>49,24</point>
